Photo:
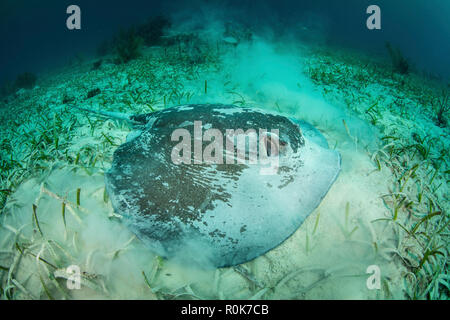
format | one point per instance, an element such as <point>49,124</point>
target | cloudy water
<point>224,149</point>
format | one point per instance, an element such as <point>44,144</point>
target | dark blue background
<point>34,36</point>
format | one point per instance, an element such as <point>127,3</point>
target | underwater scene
<point>224,150</point>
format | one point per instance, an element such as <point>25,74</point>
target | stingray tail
<point>109,114</point>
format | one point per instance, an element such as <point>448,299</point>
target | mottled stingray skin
<point>219,215</point>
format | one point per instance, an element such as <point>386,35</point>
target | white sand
<point>326,258</point>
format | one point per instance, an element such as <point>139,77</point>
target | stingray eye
<point>282,146</point>
<point>274,145</point>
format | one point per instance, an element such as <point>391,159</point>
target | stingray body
<point>217,214</point>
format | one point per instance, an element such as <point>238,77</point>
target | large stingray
<point>219,214</point>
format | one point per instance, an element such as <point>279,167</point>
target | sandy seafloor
<point>383,124</point>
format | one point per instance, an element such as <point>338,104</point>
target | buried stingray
<point>217,214</point>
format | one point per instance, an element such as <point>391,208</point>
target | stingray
<point>217,214</point>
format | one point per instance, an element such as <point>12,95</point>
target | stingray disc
<point>213,213</point>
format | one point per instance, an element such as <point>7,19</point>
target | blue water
<point>385,125</point>
<point>34,36</point>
